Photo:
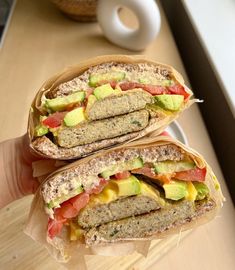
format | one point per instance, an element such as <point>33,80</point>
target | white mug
<point>148,16</point>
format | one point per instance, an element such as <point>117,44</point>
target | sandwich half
<point>103,102</point>
<point>144,190</point>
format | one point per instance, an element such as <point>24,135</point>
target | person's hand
<point>16,175</point>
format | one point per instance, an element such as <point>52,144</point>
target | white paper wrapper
<point>73,256</point>
<point>64,251</point>
<point>42,168</point>
<point>163,120</point>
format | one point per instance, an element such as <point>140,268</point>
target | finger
<point>28,154</point>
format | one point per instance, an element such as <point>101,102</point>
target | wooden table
<point>40,41</point>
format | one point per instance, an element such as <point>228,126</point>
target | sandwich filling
<point>105,102</point>
<point>132,193</point>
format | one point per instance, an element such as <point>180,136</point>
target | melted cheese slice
<point>110,193</point>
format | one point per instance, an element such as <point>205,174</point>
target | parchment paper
<point>71,72</point>
<point>73,254</point>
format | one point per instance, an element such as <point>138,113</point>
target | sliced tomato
<point>178,89</point>
<point>72,106</point>
<point>67,210</point>
<point>122,175</point>
<point>58,215</point>
<point>113,84</point>
<point>54,227</point>
<point>70,209</point>
<point>192,175</point>
<point>155,89</point>
<point>149,172</point>
<point>98,188</point>
<point>152,89</point>
<point>60,218</point>
<point>89,92</point>
<point>80,201</point>
<point>164,178</point>
<point>54,120</point>
<point>129,85</point>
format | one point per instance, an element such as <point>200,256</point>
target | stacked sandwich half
<point>123,186</point>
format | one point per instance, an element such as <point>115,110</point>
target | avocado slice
<point>103,91</point>
<point>127,166</point>
<point>175,190</point>
<point>144,80</point>
<point>156,82</point>
<point>202,190</point>
<point>173,166</point>
<point>96,79</point>
<point>60,103</point>
<point>74,117</point>
<point>166,83</point>
<point>170,102</point>
<point>128,187</point>
<point>40,130</point>
<point>155,107</point>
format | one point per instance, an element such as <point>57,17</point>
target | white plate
<point>175,130</point>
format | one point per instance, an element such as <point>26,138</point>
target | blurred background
<point>196,37</point>
<point>5,7</point>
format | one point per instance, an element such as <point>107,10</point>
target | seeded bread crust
<point>50,149</point>
<point>81,81</point>
<point>148,225</point>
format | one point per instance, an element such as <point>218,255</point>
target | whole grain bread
<point>47,148</point>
